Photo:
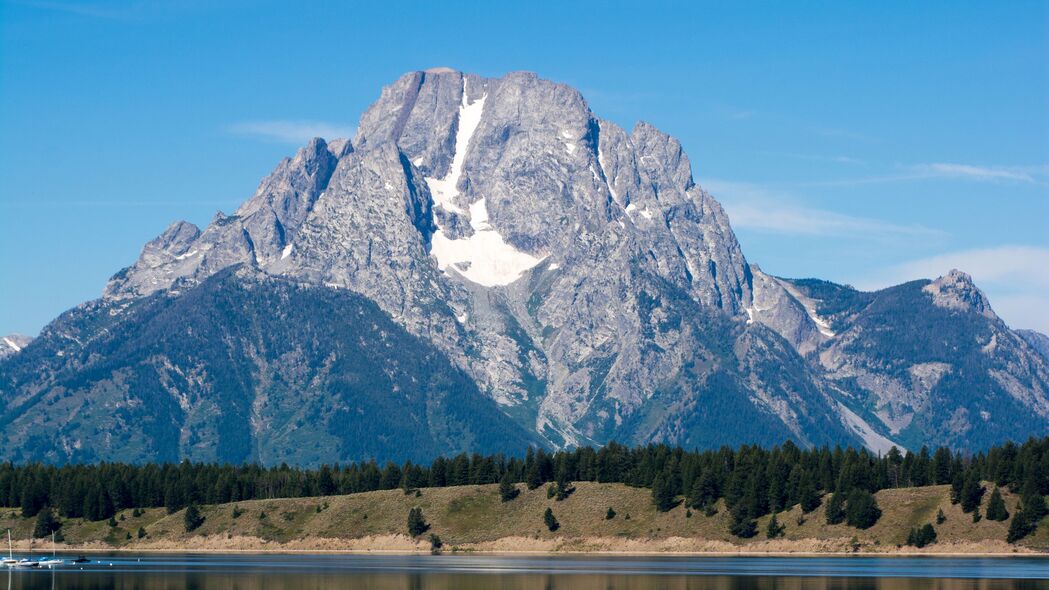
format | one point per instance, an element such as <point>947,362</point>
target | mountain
<point>13,343</point>
<point>1036,340</point>
<point>243,367</point>
<point>572,272</point>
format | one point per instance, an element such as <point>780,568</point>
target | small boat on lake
<point>10,560</point>
<point>53,560</point>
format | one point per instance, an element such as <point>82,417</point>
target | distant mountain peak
<point>13,344</point>
<point>956,290</point>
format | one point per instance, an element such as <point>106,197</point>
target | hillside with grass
<point>475,518</point>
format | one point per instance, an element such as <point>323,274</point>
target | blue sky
<point>866,143</point>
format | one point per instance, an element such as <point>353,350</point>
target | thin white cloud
<point>970,171</point>
<point>946,171</point>
<point>758,208</point>
<point>817,158</point>
<point>121,11</point>
<point>1014,277</point>
<point>296,132</point>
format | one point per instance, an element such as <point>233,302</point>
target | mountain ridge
<point>589,287</point>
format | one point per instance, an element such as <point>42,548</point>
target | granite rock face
<point>576,272</point>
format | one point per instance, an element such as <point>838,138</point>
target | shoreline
<point>402,545</point>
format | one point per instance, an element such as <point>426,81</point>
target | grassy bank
<point>473,518</point>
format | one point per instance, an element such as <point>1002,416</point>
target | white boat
<point>10,560</point>
<point>53,560</point>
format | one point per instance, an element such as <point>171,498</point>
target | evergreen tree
<point>416,523</point>
<point>549,520</point>
<point>996,507</point>
<point>1033,502</point>
<point>861,509</point>
<point>34,497</point>
<point>45,523</point>
<point>193,518</point>
<point>808,497</point>
<point>1020,527</point>
<point>507,490</point>
<point>533,477</point>
<point>610,514</point>
<point>141,532</point>
<point>922,536</point>
<point>941,466</point>
<point>662,495</point>
<point>704,491</point>
<point>742,525</point>
<point>940,516</point>
<point>774,528</point>
<point>972,493</point>
<point>957,483</point>
<point>836,508</point>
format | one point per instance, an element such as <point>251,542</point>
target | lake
<point>305,572</point>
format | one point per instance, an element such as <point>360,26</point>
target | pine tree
<point>1020,527</point>
<point>141,532</point>
<point>549,520</point>
<point>662,495</point>
<point>193,518</point>
<point>861,509</point>
<point>836,508</point>
<point>704,490</point>
<point>922,536</point>
<point>996,507</point>
<point>972,493</point>
<point>940,516</point>
<point>774,528</point>
<point>743,526</point>
<point>610,514</point>
<point>533,477</point>
<point>45,523</point>
<point>507,490</point>
<point>1033,502</point>
<point>808,497</point>
<point>416,523</point>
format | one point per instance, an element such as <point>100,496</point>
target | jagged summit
<point>13,344</point>
<point>574,271</point>
<point>956,290</point>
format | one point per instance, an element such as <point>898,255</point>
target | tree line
<point>753,481</point>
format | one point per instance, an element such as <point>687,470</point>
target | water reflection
<point>286,572</point>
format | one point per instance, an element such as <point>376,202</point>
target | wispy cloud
<point>1001,264</point>
<point>1015,278</point>
<point>103,10</point>
<point>817,157</point>
<point>759,208</point>
<point>973,172</point>
<point>296,132</point>
<point>945,171</point>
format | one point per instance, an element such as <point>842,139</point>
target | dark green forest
<point>753,481</point>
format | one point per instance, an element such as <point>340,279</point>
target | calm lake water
<point>328,572</point>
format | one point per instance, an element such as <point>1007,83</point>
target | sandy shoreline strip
<point>673,546</point>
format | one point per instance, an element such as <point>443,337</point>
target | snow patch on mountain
<point>484,257</point>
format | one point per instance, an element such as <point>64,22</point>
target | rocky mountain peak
<point>956,290</point>
<point>13,344</point>
<point>574,271</point>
